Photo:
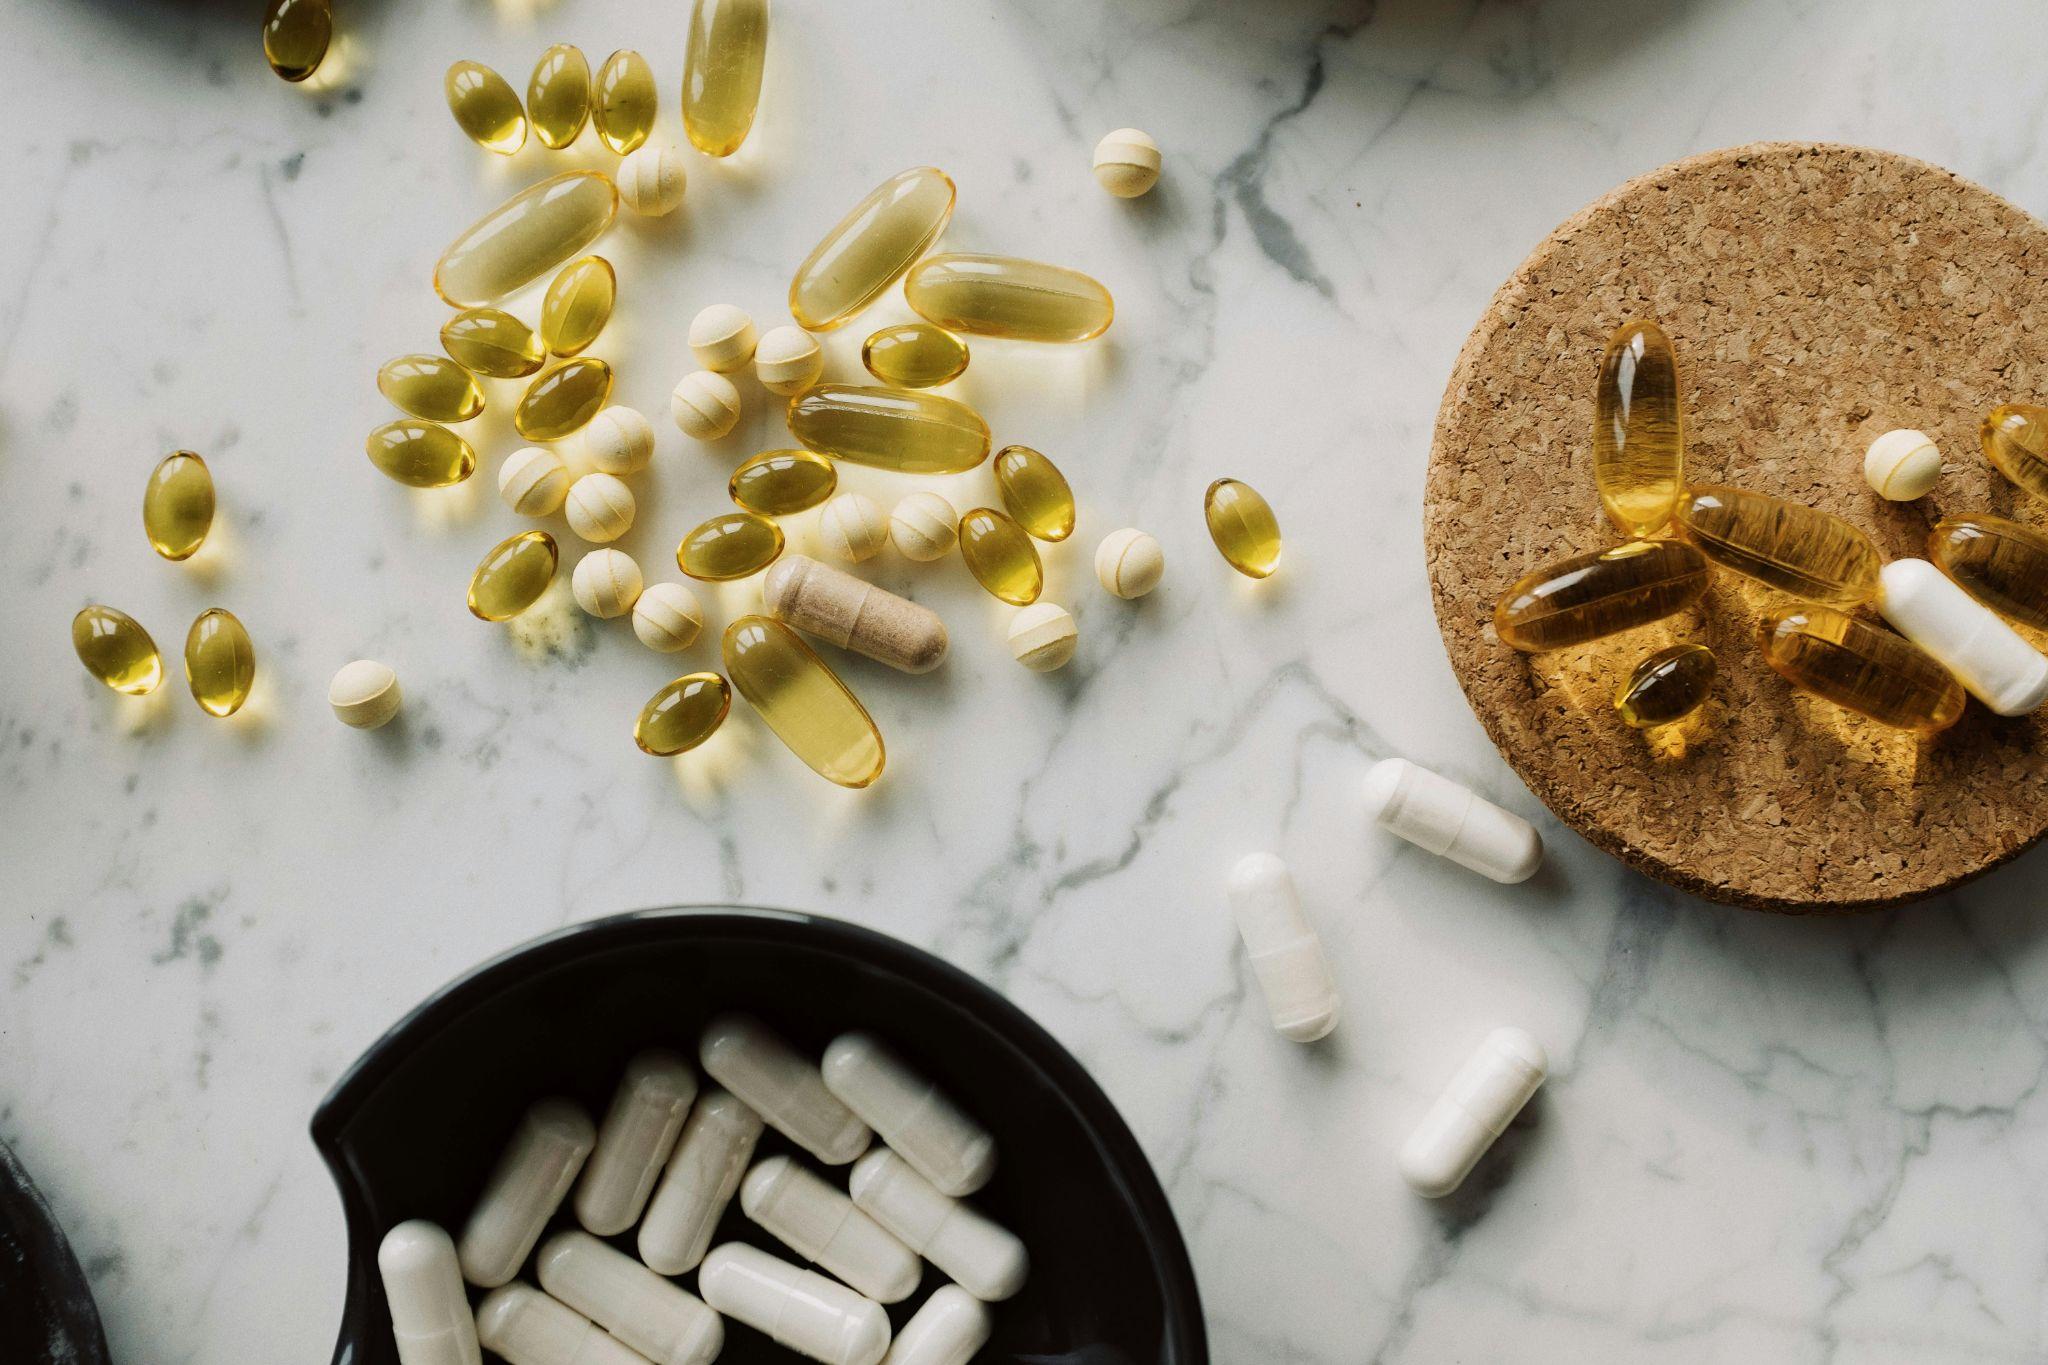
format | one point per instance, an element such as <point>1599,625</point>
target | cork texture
<point>1817,295</point>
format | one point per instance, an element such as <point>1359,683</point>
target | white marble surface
<point>1765,1140</point>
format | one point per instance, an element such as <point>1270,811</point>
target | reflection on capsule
<point>804,703</point>
<point>1003,296</point>
<point>1587,596</point>
<point>1666,686</point>
<point>1870,671</point>
<point>1793,548</point>
<point>177,506</point>
<point>871,247</point>
<point>512,576</point>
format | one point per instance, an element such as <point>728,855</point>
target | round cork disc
<point>1817,296</point>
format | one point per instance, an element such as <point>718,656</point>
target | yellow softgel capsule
<point>727,47</point>
<point>430,386</point>
<point>563,400</point>
<point>777,483</point>
<point>914,355</point>
<point>911,433</point>
<point>1005,296</point>
<point>1668,685</point>
<point>490,341</point>
<point>735,545</point>
<point>803,701</point>
<point>558,95</point>
<point>578,305</point>
<point>2001,563</point>
<point>295,36</point>
<point>1243,526</point>
<point>1793,548</point>
<point>625,102</point>
<point>220,662</point>
<point>421,454</point>
<point>177,506</point>
<point>2015,440</point>
<point>1638,434</point>
<point>1035,492</point>
<point>1001,556</point>
<point>512,576</point>
<point>486,107</point>
<point>115,648</point>
<point>682,715</point>
<point>1870,671</point>
<point>871,247</point>
<point>1603,593</point>
<point>525,237</point>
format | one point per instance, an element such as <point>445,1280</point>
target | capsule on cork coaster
<point>855,614</point>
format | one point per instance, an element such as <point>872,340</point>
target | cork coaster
<point>1817,295</point>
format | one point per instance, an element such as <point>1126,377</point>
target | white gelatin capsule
<point>819,1223</point>
<point>1966,637</point>
<point>701,1180</point>
<point>948,1330</point>
<point>746,1057</point>
<point>525,1189</point>
<point>1452,821</point>
<point>910,1114</point>
<point>1286,955</point>
<point>423,1288</point>
<point>986,1260</point>
<point>1479,1104</point>
<point>527,1327</point>
<point>659,1319</point>
<point>800,1309</point>
<point>639,1132</point>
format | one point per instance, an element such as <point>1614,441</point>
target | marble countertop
<point>1763,1140</point>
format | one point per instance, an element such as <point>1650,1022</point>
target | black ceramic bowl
<point>46,1308</point>
<point>413,1128</point>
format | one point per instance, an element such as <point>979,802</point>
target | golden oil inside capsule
<point>1004,296</point>
<point>1035,493</point>
<point>776,483</point>
<point>1795,549</point>
<point>682,715</point>
<point>871,247</point>
<point>512,576</point>
<point>421,454</point>
<point>1001,556</point>
<point>1638,434</point>
<point>2015,440</point>
<point>626,101</point>
<point>1669,685</point>
<point>722,62</point>
<point>486,107</point>
<point>493,342</point>
<point>432,387</point>
<point>177,506</point>
<point>1871,671</point>
<point>1588,596</point>
<point>578,305</point>
<point>115,648</point>
<point>911,433</point>
<point>526,236</point>
<point>1242,524</point>
<point>558,95</point>
<point>220,662</point>
<point>295,36</point>
<point>914,355</point>
<point>803,701</point>
<point>563,400</point>
<point>2001,563</point>
<point>736,545</point>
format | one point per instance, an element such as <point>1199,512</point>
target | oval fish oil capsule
<point>220,662</point>
<point>722,62</point>
<point>1796,549</point>
<point>1638,435</point>
<point>531,1179</point>
<point>1035,493</point>
<point>420,454</point>
<point>1667,686</point>
<point>855,614</point>
<point>746,1057</point>
<point>177,505</point>
<point>682,715</point>
<point>513,575</point>
<point>295,36</point>
<point>430,386</point>
<point>430,1318</point>
<point>911,433</point>
<point>115,648</point>
<point>1988,657</point>
<point>485,107</point>
<point>626,101</point>
<point>987,1260</point>
<point>1452,821</point>
<point>2015,440</point>
<point>525,237</point>
<point>777,483</point>
<point>871,247</point>
<point>490,341</point>
<point>1001,556</point>
<point>634,1142</point>
<point>659,1319</point>
<point>526,1327</point>
<point>701,1179</point>
<point>950,1327</point>
<point>1242,524</point>
<point>1603,593</point>
<point>914,355</point>
<point>558,95</point>
<point>820,1224</point>
<point>578,304</point>
<point>909,1113</point>
<point>562,400</point>
<point>1285,953</point>
<point>735,545</point>
<point>1477,1107</point>
<point>2001,563</point>
<point>1003,296</point>
<point>1870,671</point>
<point>800,1309</point>
<point>807,706</point>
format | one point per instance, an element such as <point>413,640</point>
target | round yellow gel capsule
<point>115,648</point>
<point>421,454</point>
<point>578,305</point>
<point>1243,526</point>
<point>736,545</point>
<point>177,506</point>
<point>683,714</point>
<point>777,483</point>
<point>914,355</point>
<point>1035,492</point>
<point>625,102</point>
<point>490,341</point>
<point>1001,556</point>
<point>485,107</point>
<point>430,386</point>
<point>220,662</point>
<point>563,400</point>
<point>512,576</point>
<point>558,95</point>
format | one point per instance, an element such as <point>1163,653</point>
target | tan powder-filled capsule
<point>525,237</point>
<point>855,614</point>
<point>870,248</point>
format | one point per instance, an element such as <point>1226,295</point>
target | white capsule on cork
<point>1129,563</point>
<point>750,1059</point>
<point>526,1327</point>
<point>667,618</point>
<point>722,338</point>
<point>659,1319</point>
<point>924,527</point>
<point>705,405</point>
<point>909,1113</point>
<point>530,1181</point>
<point>618,440</point>
<point>701,1179</point>
<point>653,180</point>
<point>1452,821</point>
<point>820,1223</point>
<point>983,1257</point>
<point>634,1142</point>
<point>787,361</point>
<point>364,694</point>
<point>853,527</point>
<point>1477,1106</point>
<point>1989,658</point>
<point>430,1317</point>
<point>533,481</point>
<point>799,1308</point>
<point>950,1327</point>
<point>1902,465</point>
<point>1285,952</point>
<point>600,507</point>
<point>606,583</point>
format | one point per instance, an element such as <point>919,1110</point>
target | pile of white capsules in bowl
<point>670,1159</point>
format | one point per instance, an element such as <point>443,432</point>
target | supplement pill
<point>776,483</point>
<point>914,355</point>
<point>807,706</point>
<point>667,618</point>
<point>485,107</point>
<point>528,1184</point>
<point>1638,435</point>
<point>947,1330</point>
<point>1127,162</point>
<point>910,1113</point>
<point>654,180</point>
<point>1668,685</point>
<point>871,247</point>
<point>855,614</point>
<point>1004,296</point>
<point>853,527</point>
<point>820,1224</point>
<point>705,405</point>
<point>1902,465</point>
<point>600,507</point>
<point>1870,671</point>
<point>526,1327</point>
<point>787,361</point>
<point>295,36</point>
<point>735,545</point>
<point>560,401</point>
<point>748,1058</point>
<point>1035,492</point>
<point>1478,1105</point>
<point>430,386</point>
<point>701,1179</point>
<point>663,1321</point>
<point>1042,637</point>
<point>1285,953</point>
<point>512,576</point>
<point>1129,563</point>
<point>682,715</point>
<point>619,441</point>
<point>115,648</point>
<point>606,583</point>
<point>430,1318</point>
<point>722,62</point>
<point>722,338</point>
<point>525,237</point>
<point>801,1309</point>
<point>1242,524</point>
<point>364,694</point>
<point>578,304</point>
<point>420,454</point>
<point>1001,556</point>
<point>220,662</point>
<point>909,432</point>
<point>533,481</point>
<point>558,95</point>
<point>1988,657</point>
<point>2015,440</point>
<point>1795,549</point>
<point>177,505</point>
<point>1452,821</point>
<point>924,527</point>
<point>625,103</point>
<point>490,341</point>
<point>1588,596</point>
<point>2001,563</point>
<point>987,1260</point>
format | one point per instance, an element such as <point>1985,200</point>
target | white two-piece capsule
<point>1286,955</point>
<point>527,1186</point>
<point>701,1179</point>
<point>659,1319</point>
<point>1477,1106</point>
<point>948,1330</point>
<point>430,1318</point>
<point>747,1057</point>
<point>819,1223</point>
<point>985,1259</point>
<point>527,1327</point>
<point>1988,657</point>
<point>1452,821</point>
<point>910,1114</point>
<point>638,1133</point>
<point>799,1308</point>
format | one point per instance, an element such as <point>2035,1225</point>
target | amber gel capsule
<point>1242,524</point>
<point>558,95</point>
<point>1638,436</point>
<point>220,662</point>
<point>736,545</point>
<point>525,237</point>
<point>492,342</point>
<point>1669,685</point>
<point>871,247</point>
<point>2001,563</point>
<point>777,483</point>
<point>1035,492</point>
<point>295,36</point>
<point>682,715</point>
<point>914,355</point>
<point>512,576</point>
<point>1001,556</point>
<point>1587,596</point>
<point>911,433</point>
<point>2015,440</point>
<point>1004,296</point>
<point>115,648</point>
<point>803,701</point>
<point>722,63</point>
<point>430,386</point>
<point>1871,671</point>
<point>626,101</point>
<point>1795,549</point>
<point>563,400</point>
<point>578,305</point>
<point>421,454</point>
<point>485,107</point>
<point>177,506</point>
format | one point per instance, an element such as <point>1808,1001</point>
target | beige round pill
<point>619,441</point>
<point>533,481</point>
<point>652,180</point>
<point>606,583</point>
<point>667,617</point>
<point>1127,163</point>
<point>364,694</point>
<point>722,338</point>
<point>1902,465</point>
<point>853,527</point>
<point>1042,637</point>
<point>787,361</point>
<point>600,507</point>
<point>1129,562</point>
<point>924,526</point>
<point>705,405</point>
